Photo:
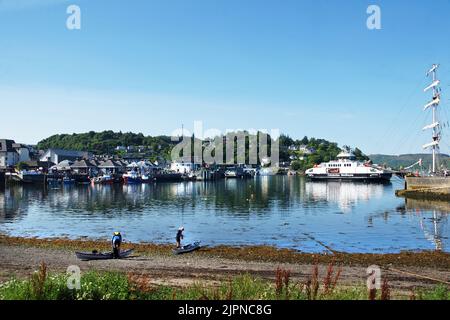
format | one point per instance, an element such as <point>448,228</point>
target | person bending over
<point>179,237</point>
<point>116,242</point>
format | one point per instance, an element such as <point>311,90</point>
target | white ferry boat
<point>347,168</point>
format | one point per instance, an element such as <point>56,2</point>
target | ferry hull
<point>384,177</point>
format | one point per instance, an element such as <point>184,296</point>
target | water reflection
<point>281,211</point>
<point>345,194</point>
<point>434,219</point>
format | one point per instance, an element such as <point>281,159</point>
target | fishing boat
<point>168,176</point>
<point>32,177</point>
<point>105,179</point>
<point>68,181</point>
<point>231,173</point>
<point>347,168</point>
<point>132,177</point>
<point>82,178</point>
<point>234,172</point>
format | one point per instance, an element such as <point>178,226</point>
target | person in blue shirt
<point>116,242</point>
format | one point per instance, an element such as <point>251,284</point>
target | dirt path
<point>20,261</point>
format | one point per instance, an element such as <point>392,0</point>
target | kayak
<point>187,248</point>
<point>85,256</point>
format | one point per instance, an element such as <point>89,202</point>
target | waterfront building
<point>184,167</point>
<point>84,167</point>
<point>58,155</point>
<point>8,155</point>
<point>24,152</point>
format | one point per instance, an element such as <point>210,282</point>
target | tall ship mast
<point>435,125</point>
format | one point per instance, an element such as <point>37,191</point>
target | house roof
<point>94,162</point>
<point>63,165</point>
<point>108,164</point>
<point>83,164</point>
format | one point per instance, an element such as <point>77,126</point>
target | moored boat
<point>86,256</point>
<point>32,177</point>
<point>347,168</point>
<point>132,177</point>
<point>437,176</point>
<point>187,248</point>
<point>105,179</point>
<point>68,180</point>
<point>82,178</point>
<point>168,176</point>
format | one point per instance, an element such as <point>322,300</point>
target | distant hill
<point>405,160</point>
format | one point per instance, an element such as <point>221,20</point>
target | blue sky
<point>304,67</point>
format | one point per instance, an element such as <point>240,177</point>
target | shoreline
<point>20,257</point>
<point>437,194</point>
<point>259,253</point>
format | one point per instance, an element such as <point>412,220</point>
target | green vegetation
<point>106,142</point>
<point>120,286</point>
<point>302,154</point>
<point>44,286</point>
<point>21,166</point>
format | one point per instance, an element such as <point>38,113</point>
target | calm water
<point>281,211</point>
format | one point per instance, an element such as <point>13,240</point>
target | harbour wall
<point>414,183</point>
<point>430,188</point>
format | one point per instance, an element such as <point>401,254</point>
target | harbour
<point>280,211</point>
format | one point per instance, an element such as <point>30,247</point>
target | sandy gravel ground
<point>20,261</point>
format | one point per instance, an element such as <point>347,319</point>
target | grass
<point>120,286</point>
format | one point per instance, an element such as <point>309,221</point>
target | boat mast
<point>433,105</point>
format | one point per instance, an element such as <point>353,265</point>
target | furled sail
<point>435,102</point>
<point>433,68</point>
<point>431,126</point>
<point>432,144</point>
<point>433,85</point>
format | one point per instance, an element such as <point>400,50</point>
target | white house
<point>8,155</point>
<point>184,167</point>
<point>23,152</point>
<point>58,155</point>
